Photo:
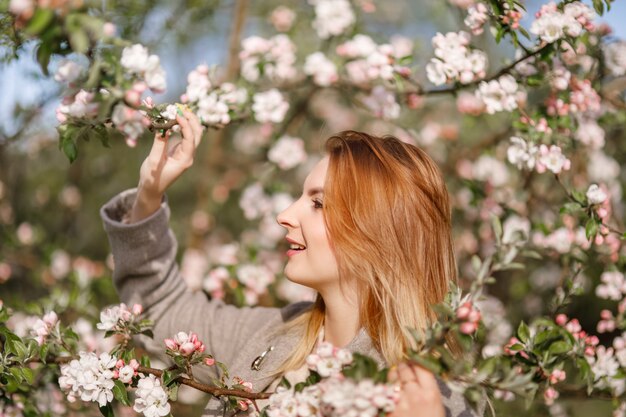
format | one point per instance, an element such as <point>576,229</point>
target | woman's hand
<point>164,164</point>
<point>419,392</point>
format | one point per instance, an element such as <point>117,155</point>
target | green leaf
<point>173,392</point>
<point>497,228</point>
<point>28,375</point>
<point>598,5</point>
<point>107,410</point>
<point>40,21</point>
<point>79,40</point>
<point>148,332</point>
<point>284,382</point>
<point>523,333</point>
<point>120,393</point>
<point>69,149</point>
<point>591,228</point>
<point>169,376</point>
<point>43,57</point>
<point>570,208</point>
<point>145,361</point>
<point>559,347</point>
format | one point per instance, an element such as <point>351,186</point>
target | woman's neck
<point>341,318</point>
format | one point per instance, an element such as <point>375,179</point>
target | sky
<point>18,82</point>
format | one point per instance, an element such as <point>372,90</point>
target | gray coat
<point>146,272</point>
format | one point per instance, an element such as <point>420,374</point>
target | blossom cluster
<point>274,58</point>
<point>44,326</point>
<point>469,316</point>
<point>151,399</point>
<point>89,378</point>
<point>185,344</point>
<point>502,94</point>
<point>368,61</point>
<point>332,17</point>
<point>117,318</point>
<point>552,24</point>
<point>335,395</point>
<point>328,360</point>
<point>287,152</point>
<point>125,372</point>
<point>526,155</point>
<point>269,106</point>
<point>145,67</point>
<point>215,104</point>
<point>455,60</point>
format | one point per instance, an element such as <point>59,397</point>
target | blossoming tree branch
<point>542,191</point>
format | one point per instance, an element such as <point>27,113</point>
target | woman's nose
<point>286,217</point>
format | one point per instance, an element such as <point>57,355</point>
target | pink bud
<point>193,338</point>
<point>589,351</point>
<point>109,29</point>
<point>464,310</point>
<point>468,327</point>
<point>561,319</point>
<point>184,98</point>
<point>619,343</point>
<point>133,97</point>
<point>171,344</point>
<point>474,316</point>
<point>209,361</point>
<point>137,309</point>
<point>134,364</point>
<point>119,363</point>
<point>593,340</point>
<point>243,405</point>
<point>606,315</point>
<point>201,348</point>
<point>116,374</point>
<point>187,348</point>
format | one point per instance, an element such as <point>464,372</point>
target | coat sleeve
<point>146,272</point>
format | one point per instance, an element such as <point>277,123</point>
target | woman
<point>370,233</point>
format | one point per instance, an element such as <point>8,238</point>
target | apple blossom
<point>68,72</point>
<point>332,17</point>
<point>151,399</point>
<point>477,16</point>
<point>89,378</point>
<point>288,152</point>
<point>595,194</point>
<point>454,60</point>
<point>269,106</point>
<point>499,95</point>
<point>382,103</point>
<point>323,70</point>
<point>613,286</point>
<point>552,159</point>
<point>615,58</point>
<point>521,153</point>
<point>282,18</point>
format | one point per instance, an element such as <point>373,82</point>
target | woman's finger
<point>392,375</point>
<point>195,126</point>
<point>425,378</point>
<point>406,375</point>
<point>159,145</point>
<point>188,145</point>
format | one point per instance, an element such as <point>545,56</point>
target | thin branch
<point>209,389</point>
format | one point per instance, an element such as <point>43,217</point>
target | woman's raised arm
<point>164,164</point>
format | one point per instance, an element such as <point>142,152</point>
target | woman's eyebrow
<point>315,190</point>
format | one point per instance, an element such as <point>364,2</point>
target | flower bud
<point>137,309</point>
<point>468,327</point>
<point>209,361</point>
<point>187,348</point>
<point>171,344</point>
<point>134,364</point>
<point>119,363</point>
<point>561,319</point>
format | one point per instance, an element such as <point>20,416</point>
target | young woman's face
<point>311,258</point>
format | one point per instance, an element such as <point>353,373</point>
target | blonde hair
<point>387,214</point>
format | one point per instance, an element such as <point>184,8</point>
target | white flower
<point>287,152</point>
<point>590,133</point>
<point>198,83</point>
<point>360,46</point>
<point>112,317</point>
<point>613,286</point>
<point>552,159</point>
<point>477,16</point>
<point>521,153</point>
<point>212,110</point>
<point>615,58</point>
<point>126,374</point>
<point>515,229</point>
<point>68,72</point>
<point>89,378</point>
<point>276,56</point>
<point>323,70</point>
<point>135,58</point>
<point>269,106</point>
<point>43,326</point>
<point>499,95</point>
<point>254,202</point>
<point>382,103</point>
<point>454,60</point>
<point>332,17</point>
<point>255,277</point>
<point>170,112</point>
<point>152,400</point>
<point>155,78</point>
<point>17,7</point>
<point>488,168</point>
<point>595,194</point>
<point>602,168</point>
<point>81,105</point>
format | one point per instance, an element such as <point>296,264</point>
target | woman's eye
<point>317,204</point>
